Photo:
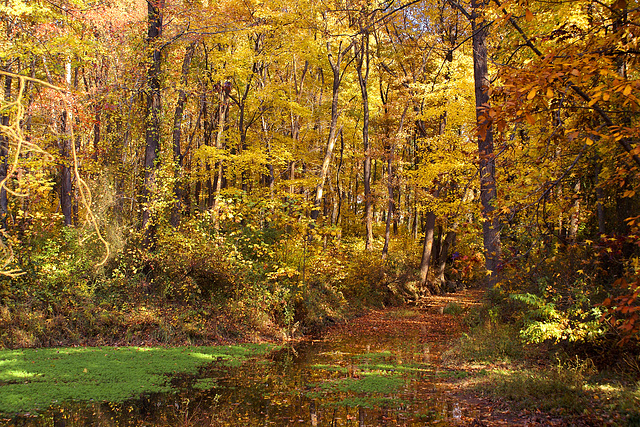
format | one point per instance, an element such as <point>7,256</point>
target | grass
<point>489,343</point>
<point>452,308</point>
<point>33,379</point>
<point>503,368</point>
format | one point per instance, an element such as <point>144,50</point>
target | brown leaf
<point>529,15</point>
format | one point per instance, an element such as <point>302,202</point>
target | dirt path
<point>440,330</point>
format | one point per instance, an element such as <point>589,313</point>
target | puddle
<point>361,379</point>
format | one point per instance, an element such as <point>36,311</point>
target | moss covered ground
<point>34,379</point>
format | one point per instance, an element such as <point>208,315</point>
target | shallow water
<point>352,380</point>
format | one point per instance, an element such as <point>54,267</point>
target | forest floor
<point>441,329</point>
<point>466,367</point>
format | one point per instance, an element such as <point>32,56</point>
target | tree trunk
<point>387,228</point>
<point>4,157</point>
<point>574,218</point>
<point>488,192</point>
<point>66,189</point>
<point>208,125</point>
<point>223,108</point>
<point>295,120</point>
<point>362,59</point>
<point>152,119</point>
<point>333,127</point>
<point>177,135</point>
<point>443,255</point>
<point>340,192</point>
<point>427,249</point>
<point>599,198</point>
<point>390,201</point>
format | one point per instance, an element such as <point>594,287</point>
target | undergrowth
<point>506,364</point>
<point>254,272</point>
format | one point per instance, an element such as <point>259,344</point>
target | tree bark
<point>387,227</point>
<point>177,136</point>
<point>333,127</point>
<point>427,248</point>
<point>223,108</point>
<point>66,189</point>
<point>599,198</point>
<point>340,192</point>
<point>4,157</point>
<point>445,247</point>
<point>488,191</point>
<point>152,118</point>
<point>362,59</point>
<point>390,148</point>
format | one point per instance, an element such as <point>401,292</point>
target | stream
<point>352,377</point>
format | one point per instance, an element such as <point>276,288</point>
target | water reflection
<point>345,381</point>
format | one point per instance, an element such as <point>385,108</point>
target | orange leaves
<point>549,93</point>
<point>624,309</point>
<point>528,15</point>
<point>530,118</point>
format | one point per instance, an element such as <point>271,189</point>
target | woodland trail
<point>438,332</point>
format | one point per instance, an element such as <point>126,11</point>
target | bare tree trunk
<point>387,228</point>
<point>574,219</point>
<point>427,249</point>
<point>208,126</point>
<point>390,201</point>
<point>243,135</point>
<point>488,191</point>
<point>445,247</point>
<point>333,127</point>
<point>362,59</point>
<point>152,119</point>
<point>599,199</point>
<point>340,193</point>
<point>223,108</point>
<point>66,189</point>
<point>295,119</point>
<point>177,135</point>
<point>4,156</point>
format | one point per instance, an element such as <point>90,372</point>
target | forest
<point>206,172</point>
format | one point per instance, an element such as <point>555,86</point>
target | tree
<point>487,166</point>
<point>177,136</point>
<point>361,52</point>
<point>335,61</point>
<point>152,117</point>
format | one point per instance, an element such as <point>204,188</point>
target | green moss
<point>330,368</point>
<point>369,383</point>
<point>407,369</point>
<point>380,376</point>
<point>33,379</point>
<point>205,383</point>
<point>374,356</point>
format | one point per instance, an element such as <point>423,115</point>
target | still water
<point>355,379</point>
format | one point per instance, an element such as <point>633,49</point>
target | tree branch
<point>625,142</point>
